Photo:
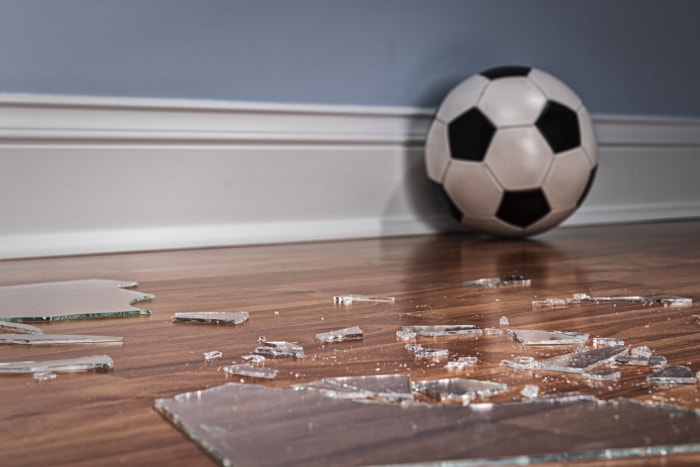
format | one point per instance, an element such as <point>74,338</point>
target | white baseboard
<point>92,175</point>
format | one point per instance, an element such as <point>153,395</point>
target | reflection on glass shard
<point>19,327</point>
<point>602,375</point>
<point>375,388</point>
<point>462,363</point>
<point>520,363</point>
<point>639,360</point>
<point>530,391</point>
<point>442,330</point>
<point>44,376</point>
<point>251,371</point>
<point>607,342</point>
<point>96,362</point>
<point>316,429</point>
<point>213,355</point>
<point>536,337</point>
<point>580,362</point>
<point>44,339</point>
<point>580,298</point>
<point>493,331</point>
<point>280,349</point>
<point>672,374</point>
<point>211,317</point>
<point>346,334</point>
<point>457,389</point>
<point>350,299</point>
<point>492,282</point>
<point>70,299</point>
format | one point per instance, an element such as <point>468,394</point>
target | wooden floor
<point>108,418</point>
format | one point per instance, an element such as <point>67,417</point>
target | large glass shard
<point>442,330</point>
<point>382,388</point>
<point>95,362</point>
<point>607,342</point>
<point>88,298</point>
<point>252,371</point>
<point>580,362</point>
<point>580,298</point>
<point>20,327</point>
<point>536,337</point>
<point>45,339</point>
<point>251,425</point>
<point>492,282</point>
<point>350,299</point>
<point>280,349</point>
<point>211,317</point>
<point>672,374</point>
<point>347,334</point>
<point>458,389</point>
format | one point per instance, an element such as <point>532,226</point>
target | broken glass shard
<point>642,351</point>
<point>580,362</point>
<point>382,388</point>
<point>442,330</point>
<point>96,362</point>
<point>350,299</point>
<point>457,389</point>
<point>19,327</point>
<point>212,355</point>
<point>253,358</point>
<point>251,371</point>
<point>581,298</point>
<point>493,331</point>
<point>43,339</point>
<point>404,335</point>
<point>520,363</point>
<point>655,361</point>
<point>492,282</point>
<point>352,333</point>
<point>607,342</point>
<point>536,337</point>
<point>434,354</point>
<point>88,298</point>
<point>503,321</point>
<point>602,375</point>
<point>212,317</point>
<point>461,363</point>
<point>280,349</point>
<point>249,424</point>
<point>44,376</point>
<point>530,391</point>
<point>672,374</point>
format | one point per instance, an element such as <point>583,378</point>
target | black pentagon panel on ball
<point>523,208</point>
<point>589,183</point>
<point>470,135</point>
<point>560,127</point>
<point>506,71</point>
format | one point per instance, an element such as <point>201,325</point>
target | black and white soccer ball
<point>513,149</point>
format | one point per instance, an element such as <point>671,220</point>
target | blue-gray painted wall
<point>621,56</point>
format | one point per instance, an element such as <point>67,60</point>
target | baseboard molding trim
<point>321,142</point>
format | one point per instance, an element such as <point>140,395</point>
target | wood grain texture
<point>108,418</point>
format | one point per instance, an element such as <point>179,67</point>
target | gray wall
<point>622,57</point>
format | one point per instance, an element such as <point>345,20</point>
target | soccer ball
<point>513,150</point>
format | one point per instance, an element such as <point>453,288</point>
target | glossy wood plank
<point>108,418</point>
